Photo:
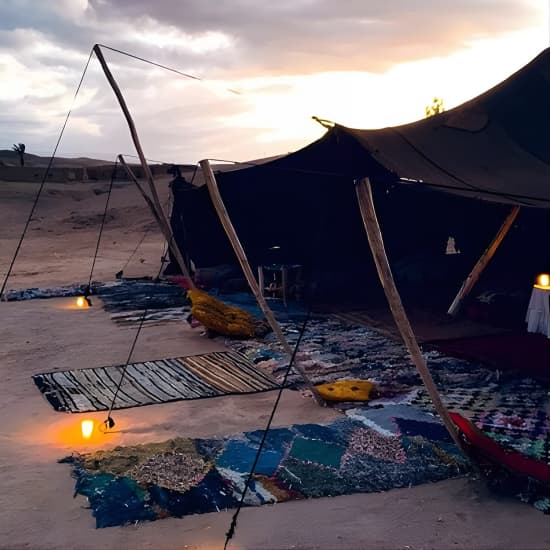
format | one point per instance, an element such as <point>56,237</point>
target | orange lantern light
<point>81,302</point>
<point>87,427</point>
<point>543,281</point>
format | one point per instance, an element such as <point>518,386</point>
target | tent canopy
<point>495,147</point>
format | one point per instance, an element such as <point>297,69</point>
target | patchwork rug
<point>513,410</point>
<point>149,382</point>
<point>190,476</point>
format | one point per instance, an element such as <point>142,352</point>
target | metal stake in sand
<point>154,199</point>
<point>247,270</point>
<point>376,242</point>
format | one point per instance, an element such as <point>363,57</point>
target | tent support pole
<point>217,200</point>
<point>376,242</point>
<point>165,228</point>
<point>146,170</point>
<point>481,264</point>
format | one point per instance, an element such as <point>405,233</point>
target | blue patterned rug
<point>192,476</point>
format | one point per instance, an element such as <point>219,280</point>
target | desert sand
<point>37,508</point>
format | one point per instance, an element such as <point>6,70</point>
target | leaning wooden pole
<point>146,170</point>
<point>247,270</point>
<point>481,264</point>
<point>165,228</point>
<point>372,227</point>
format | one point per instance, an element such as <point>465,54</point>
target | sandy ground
<point>37,510</point>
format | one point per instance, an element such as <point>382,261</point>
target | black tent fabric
<point>495,147</point>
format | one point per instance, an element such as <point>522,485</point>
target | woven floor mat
<point>149,382</point>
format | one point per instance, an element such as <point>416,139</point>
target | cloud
<point>274,51</point>
<point>304,36</point>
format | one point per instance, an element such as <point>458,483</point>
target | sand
<point>37,508</point>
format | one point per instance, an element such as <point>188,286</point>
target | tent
<point>495,148</point>
<point>476,150</point>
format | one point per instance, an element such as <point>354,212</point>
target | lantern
<point>543,281</point>
<point>81,302</point>
<point>87,427</point>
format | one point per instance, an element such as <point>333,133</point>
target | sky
<point>265,68</point>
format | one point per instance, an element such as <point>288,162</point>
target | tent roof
<point>494,147</point>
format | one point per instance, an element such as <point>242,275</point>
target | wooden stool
<point>280,285</point>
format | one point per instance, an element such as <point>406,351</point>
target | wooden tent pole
<point>376,242</point>
<point>131,125</point>
<point>217,200</point>
<point>165,228</point>
<point>481,264</point>
<point>146,170</point>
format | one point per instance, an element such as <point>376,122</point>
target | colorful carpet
<point>512,409</point>
<point>332,349</point>
<point>191,476</point>
<point>159,381</point>
<point>515,413</point>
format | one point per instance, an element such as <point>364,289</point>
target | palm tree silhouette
<point>20,150</point>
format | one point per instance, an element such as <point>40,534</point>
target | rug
<point>149,382</point>
<point>512,409</point>
<point>45,293</point>
<point>515,413</point>
<point>191,476</point>
<point>333,349</point>
<point>528,354</point>
<point>125,300</point>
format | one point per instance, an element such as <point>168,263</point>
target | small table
<point>538,311</point>
<point>279,285</point>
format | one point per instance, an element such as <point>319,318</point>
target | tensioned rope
<point>231,531</point>
<point>165,67</point>
<point>317,244</point>
<point>88,290</point>
<point>51,159</point>
<point>143,237</point>
<point>427,158</point>
<point>43,182</point>
<point>109,423</point>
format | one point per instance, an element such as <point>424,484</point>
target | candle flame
<point>87,427</point>
<point>543,280</point>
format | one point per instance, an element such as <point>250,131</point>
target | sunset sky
<point>361,63</point>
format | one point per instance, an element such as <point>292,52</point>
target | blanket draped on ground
<point>190,476</point>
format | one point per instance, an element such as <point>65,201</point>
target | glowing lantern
<point>543,281</point>
<point>87,427</point>
<point>81,302</point>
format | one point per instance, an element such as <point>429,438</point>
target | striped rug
<point>159,381</point>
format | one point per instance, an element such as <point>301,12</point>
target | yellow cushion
<point>346,390</point>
